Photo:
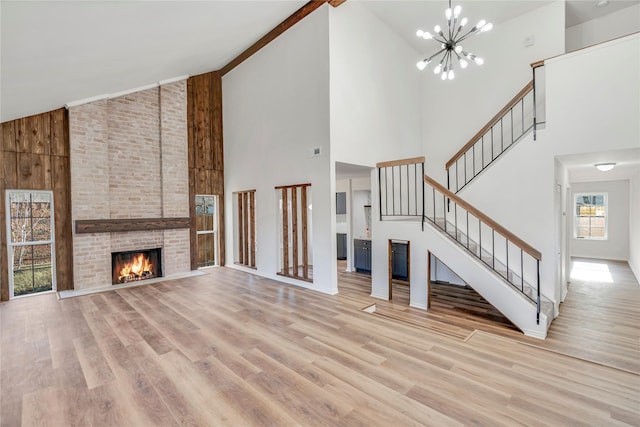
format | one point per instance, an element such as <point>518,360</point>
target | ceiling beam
<point>293,19</point>
<point>336,3</point>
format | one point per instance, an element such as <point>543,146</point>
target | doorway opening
<point>399,269</point>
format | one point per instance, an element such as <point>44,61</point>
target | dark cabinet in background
<point>399,260</point>
<point>362,255</point>
<point>341,203</point>
<point>342,245</point>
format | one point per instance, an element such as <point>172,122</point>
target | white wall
<point>375,101</point>
<point>276,109</point>
<point>360,199</point>
<point>616,24</point>
<point>442,273</point>
<point>634,224</point>
<point>455,110</point>
<point>616,246</point>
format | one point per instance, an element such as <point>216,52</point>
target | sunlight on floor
<point>591,272</point>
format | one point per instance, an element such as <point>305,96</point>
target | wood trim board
<point>132,224</point>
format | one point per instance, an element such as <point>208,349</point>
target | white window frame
<point>11,245</point>
<point>605,196</point>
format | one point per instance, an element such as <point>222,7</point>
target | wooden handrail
<point>525,90</point>
<point>537,64</point>
<point>484,218</point>
<point>401,162</point>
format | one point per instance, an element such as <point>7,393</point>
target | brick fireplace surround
<point>128,161</point>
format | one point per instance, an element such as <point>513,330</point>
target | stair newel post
<point>380,192</point>
<point>538,298</point>
<point>423,201</point>
<point>535,106</point>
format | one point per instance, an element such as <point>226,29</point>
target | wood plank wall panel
<point>34,155</point>
<point>206,154</point>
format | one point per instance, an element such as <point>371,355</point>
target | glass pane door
<point>207,230</point>
<point>31,246</point>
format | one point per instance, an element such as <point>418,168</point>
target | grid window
<point>30,242</point>
<point>590,216</point>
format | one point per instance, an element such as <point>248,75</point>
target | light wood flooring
<point>230,348</point>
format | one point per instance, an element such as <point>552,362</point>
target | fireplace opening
<point>133,266</point>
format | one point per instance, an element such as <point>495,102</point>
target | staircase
<point>501,267</point>
<point>512,123</point>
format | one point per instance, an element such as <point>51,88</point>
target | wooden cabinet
<point>399,261</point>
<point>362,255</point>
<point>341,203</point>
<point>342,245</point>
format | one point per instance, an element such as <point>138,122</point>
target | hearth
<point>134,266</point>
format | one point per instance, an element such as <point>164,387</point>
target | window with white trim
<point>30,242</point>
<point>590,216</point>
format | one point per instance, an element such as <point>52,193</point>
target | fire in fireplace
<point>134,266</point>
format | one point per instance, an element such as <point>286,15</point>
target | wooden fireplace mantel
<point>130,224</point>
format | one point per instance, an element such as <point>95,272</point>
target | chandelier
<point>450,40</point>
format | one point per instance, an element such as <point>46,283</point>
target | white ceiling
<point>56,52</point>
<point>582,166</point>
<point>347,170</point>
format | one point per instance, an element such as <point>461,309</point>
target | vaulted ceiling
<point>57,52</point>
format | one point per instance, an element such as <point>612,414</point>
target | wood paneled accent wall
<point>34,155</point>
<point>206,155</point>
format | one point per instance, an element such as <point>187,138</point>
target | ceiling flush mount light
<point>604,167</point>
<point>450,47</point>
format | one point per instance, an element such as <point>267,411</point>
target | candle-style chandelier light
<point>450,42</point>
